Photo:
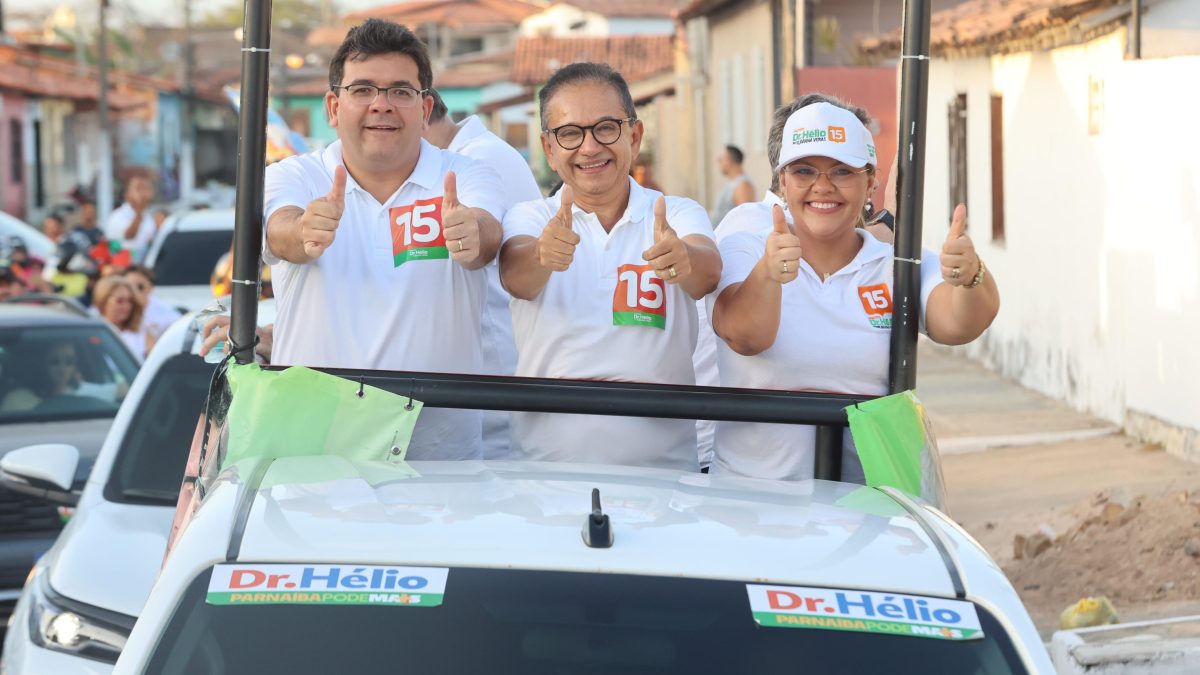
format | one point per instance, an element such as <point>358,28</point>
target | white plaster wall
<point>1100,267</point>
<point>640,26</point>
<point>556,21</point>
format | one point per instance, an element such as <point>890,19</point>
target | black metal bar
<point>827,465</point>
<point>910,185</point>
<point>1135,30</point>
<point>252,150</point>
<point>591,397</point>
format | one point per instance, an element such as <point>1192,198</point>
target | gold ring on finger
<point>956,273</point>
<point>785,267</point>
<point>672,272</point>
<point>460,246</point>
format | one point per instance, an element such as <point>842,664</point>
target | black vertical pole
<point>910,185</point>
<point>252,150</point>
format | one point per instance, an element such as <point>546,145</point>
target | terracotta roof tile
<point>977,24</point>
<point>636,57</point>
<point>452,13</point>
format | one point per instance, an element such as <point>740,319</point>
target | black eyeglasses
<point>365,94</point>
<point>606,132</point>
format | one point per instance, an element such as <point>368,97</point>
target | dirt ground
<point>1115,518</point>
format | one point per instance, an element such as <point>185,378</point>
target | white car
<point>323,564</point>
<point>84,594</point>
<point>39,245</point>
<point>184,253</point>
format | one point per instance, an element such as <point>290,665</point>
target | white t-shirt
<point>499,351</point>
<point>120,220</point>
<point>834,336</point>
<point>608,317</point>
<point>385,295</point>
<point>159,316</point>
<point>750,217</point>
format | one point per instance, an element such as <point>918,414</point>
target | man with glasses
<point>605,275</point>
<point>378,243</point>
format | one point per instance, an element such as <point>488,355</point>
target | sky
<point>148,11</point>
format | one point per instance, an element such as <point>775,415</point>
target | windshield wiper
<point>166,496</point>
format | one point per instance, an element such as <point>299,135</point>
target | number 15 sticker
<point>640,298</point>
<point>417,232</point>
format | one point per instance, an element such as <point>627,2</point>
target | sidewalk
<point>1014,460</point>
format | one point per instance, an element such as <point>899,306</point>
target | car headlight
<point>64,625</point>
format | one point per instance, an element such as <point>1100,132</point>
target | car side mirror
<point>46,471</point>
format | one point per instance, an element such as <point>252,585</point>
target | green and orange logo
<point>417,232</point>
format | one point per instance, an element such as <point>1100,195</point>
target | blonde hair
<point>104,290</point>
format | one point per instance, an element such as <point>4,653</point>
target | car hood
<point>110,554</point>
<point>86,435</point>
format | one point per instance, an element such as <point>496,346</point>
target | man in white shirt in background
<point>472,139</point>
<point>132,223</point>
<point>604,276</point>
<point>379,243</point>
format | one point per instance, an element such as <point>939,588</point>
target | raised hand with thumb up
<point>669,255</point>
<point>782,255</point>
<point>319,222</point>
<point>960,262</point>
<point>459,224</point>
<point>556,245</point>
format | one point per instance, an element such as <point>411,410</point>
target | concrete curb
<point>952,446</point>
<point>1163,647</point>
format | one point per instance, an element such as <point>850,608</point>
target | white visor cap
<point>825,130</point>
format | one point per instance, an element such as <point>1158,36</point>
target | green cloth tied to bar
<point>896,445</point>
<point>302,412</point>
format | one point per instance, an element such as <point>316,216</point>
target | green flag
<point>895,443</point>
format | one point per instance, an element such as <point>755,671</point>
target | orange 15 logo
<point>837,134</point>
<point>640,298</point>
<point>877,302</point>
<point>417,232</point>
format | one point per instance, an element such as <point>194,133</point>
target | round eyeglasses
<point>606,132</point>
<point>365,94</point>
<point>806,176</point>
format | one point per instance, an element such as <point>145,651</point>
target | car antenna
<point>597,531</point>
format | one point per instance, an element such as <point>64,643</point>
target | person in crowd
<point>132,223</point>
<point>604,276</point>
<point>807,305</point>
<point>159,316</point>
<point>27,268</point>
<point>10,284</point>
<point>60,376</point>
<point>118,303</point>
<point>88,222</point>
<point>738,190</point>
<point>54,228</point>
<point>379,243</point>
<point>472,139</point>
<point>643,174</point>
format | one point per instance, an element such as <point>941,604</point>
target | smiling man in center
<point>378,243</point>
<point>604,277</point>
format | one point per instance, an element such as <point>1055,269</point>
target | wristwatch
<point>978,275</point>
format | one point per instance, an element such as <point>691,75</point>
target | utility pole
<point>187,161</point>
<point>104,181</point>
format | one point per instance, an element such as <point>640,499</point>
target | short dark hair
<point>374,37</point>
<point>585,72</point>
<point>775,137</point>
<point>440,110</point>
<point>142,270</point>
<point>735,154</point>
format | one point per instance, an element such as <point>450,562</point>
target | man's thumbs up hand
<point>782,255</point>
<point>669,255</point>
<point>319,222</point>
<point>556,246</point>
<point>459,224</point>
<point>960,262</point>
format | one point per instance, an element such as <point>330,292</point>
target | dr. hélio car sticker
<point>863,612</point>
<point>252,584</point>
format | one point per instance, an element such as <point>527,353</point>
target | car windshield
<point>154,451</point>
<point>187,258</point>
<point>539,622</point>
<point>62,372</point>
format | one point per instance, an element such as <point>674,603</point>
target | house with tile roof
<point>601,18</point>
<point>1077,159</point>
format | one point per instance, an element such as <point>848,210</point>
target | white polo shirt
<point>386,295</point>
<point>499,352</point>
<point>749,217</point>
<point>607,317</point>
<point>834,336</point>
<point>120,220</point>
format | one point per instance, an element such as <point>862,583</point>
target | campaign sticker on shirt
<point>253,584</point>
<point>877,302</point>
<point>417,232</point>
<point>640,298</point>
<point>863,612</point>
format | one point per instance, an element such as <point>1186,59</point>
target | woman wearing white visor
<point>808,305</point>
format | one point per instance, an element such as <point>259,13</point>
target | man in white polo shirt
<point>604,277</point>
<point>470,138</point>
<point>378,243</point>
